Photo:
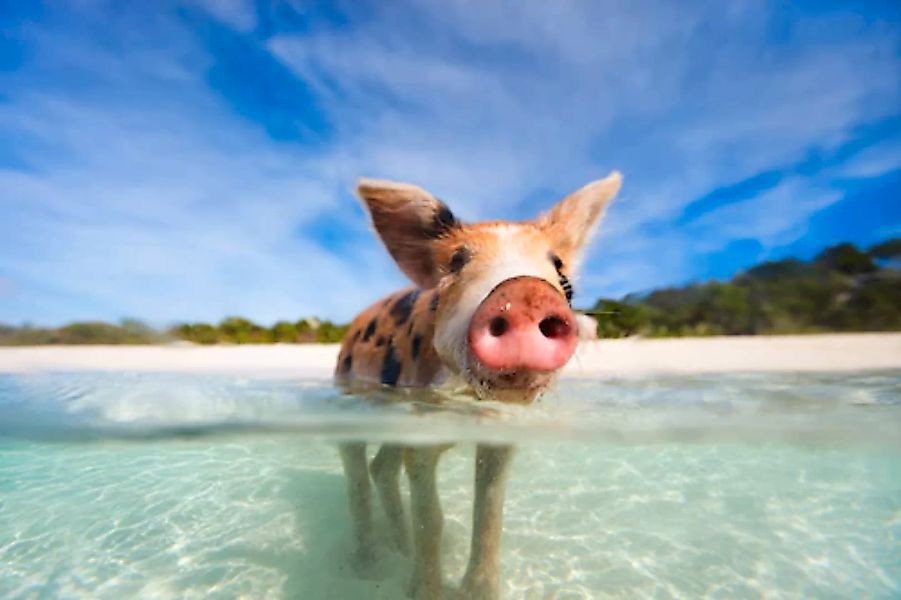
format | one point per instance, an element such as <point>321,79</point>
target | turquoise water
<point>730,486</point>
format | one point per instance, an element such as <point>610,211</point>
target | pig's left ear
<point>409,220</point>
<point>570,223</point>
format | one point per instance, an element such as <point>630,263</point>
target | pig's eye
<point>564,280</point>
<point>459,259</point>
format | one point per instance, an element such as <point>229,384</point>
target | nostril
<point>498,326</point>
<point>553,327</point>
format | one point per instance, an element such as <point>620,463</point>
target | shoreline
<point>629,357</point>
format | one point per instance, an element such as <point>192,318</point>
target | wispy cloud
<point>196,160</point>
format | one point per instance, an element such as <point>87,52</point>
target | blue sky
<point>190,160</point>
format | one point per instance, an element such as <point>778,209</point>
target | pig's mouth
<point>520,386</point>
<point>520,380</point>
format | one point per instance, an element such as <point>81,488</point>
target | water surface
<point>728,486</point>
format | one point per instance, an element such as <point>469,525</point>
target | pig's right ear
<point>408,219</point>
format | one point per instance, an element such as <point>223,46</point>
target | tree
<point>887,250</point>
<point>847,259</point>
<point>239,330</point>
<point>198,333</point>
<point>619,319</point>
<point>329,333</point>
<point>284,332</point>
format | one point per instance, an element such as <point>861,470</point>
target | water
<point>730,486</point>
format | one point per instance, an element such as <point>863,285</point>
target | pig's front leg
<point>483,571</point>
<point>428,522</point>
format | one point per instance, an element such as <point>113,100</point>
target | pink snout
<point>524,324</point>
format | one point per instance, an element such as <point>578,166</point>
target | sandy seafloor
<point>719,468</point>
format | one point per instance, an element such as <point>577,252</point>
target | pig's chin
<point>514,387</point>
<point>512,395</point>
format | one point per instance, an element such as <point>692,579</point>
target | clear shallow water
<point>118,485</point>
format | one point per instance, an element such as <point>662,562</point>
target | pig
<point>490,308</point>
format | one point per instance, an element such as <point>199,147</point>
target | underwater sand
<point>162,485</point>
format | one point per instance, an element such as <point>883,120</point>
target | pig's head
<point>503,320</point>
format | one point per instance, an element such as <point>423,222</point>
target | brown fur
<point>368,353</point>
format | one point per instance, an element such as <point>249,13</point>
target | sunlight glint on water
<point>194,486</point>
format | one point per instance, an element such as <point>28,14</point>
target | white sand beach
<point>604,358</point>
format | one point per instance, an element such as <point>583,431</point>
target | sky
<point>190,160</point>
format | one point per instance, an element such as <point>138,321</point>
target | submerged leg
<point>482,573</point>
<point>353,455</point>
<point>428,522</point>
<point>385,469</point>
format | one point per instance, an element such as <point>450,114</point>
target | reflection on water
<point>196,486</point>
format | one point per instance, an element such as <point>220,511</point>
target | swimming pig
<point>491,308</point>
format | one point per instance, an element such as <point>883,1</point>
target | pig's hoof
<point>477,587</point>
<point>418,589</point>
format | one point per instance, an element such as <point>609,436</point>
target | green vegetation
<point>232,330</point>
<point>237,330</point>
<point>127,331</point>
<point>842,289</point>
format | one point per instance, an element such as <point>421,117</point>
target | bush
<point>843,289</point>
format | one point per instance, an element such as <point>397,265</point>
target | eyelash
<point>564,280</point>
